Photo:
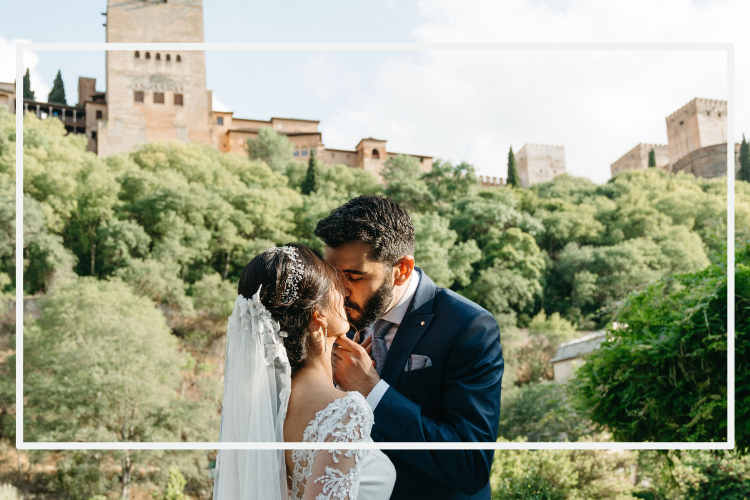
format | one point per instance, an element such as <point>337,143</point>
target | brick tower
<point>155,95</point>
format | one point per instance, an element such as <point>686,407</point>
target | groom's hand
<point>353,370</point>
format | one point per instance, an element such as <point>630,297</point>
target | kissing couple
<point>356,346</point>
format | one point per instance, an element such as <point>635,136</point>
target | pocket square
<point>417,362</point>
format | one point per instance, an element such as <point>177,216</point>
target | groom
<point>436,362</point>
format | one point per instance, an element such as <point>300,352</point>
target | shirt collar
<point>397,312</point>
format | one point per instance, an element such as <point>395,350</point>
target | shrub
<point>664,376</point>
<point>569,474</point>
<point>540,412</point>
<point>214,296</point>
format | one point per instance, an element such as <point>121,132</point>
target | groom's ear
<point>402,269</point>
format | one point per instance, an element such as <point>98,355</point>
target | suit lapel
<point>415,323</point>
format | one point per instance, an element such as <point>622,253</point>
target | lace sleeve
<point>334,474</point>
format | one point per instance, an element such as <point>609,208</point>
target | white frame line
<point>728,47</point>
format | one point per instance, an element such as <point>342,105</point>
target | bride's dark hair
<point>270,271</point>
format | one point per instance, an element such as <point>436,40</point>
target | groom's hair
<point>372,219</point>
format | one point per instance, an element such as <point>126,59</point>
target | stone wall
<point>637,158</point>
<point>539,163</point>
<point>708,162</point>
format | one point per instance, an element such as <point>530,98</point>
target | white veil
<point>257,384</point>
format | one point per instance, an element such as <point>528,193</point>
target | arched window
<point>158,56</point>
<point>179,59</point>
<point>375,154</point>
<point>137,54</point>
<point>168,58</point>
<point>148,55</point>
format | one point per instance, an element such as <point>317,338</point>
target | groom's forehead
<point>354,258</point>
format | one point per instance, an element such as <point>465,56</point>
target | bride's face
<point>337,322</point>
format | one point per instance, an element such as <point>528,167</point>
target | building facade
<point>539,163</point>
<point>8,96</point>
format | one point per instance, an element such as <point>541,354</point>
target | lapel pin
<point>422,323</point>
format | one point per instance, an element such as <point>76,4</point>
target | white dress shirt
<point>395,315</point>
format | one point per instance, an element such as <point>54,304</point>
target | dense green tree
<point>100,365</point>
<point>513,179</point>
<point>57,94</point>
<point>46,261</point>
<point>27,92</point>
<point>742,348</point>
<point>744,173</point>
<point>159,281</point>
<point>663,376</point>
<point>309,185</point>
<point>439,254</point>
<point>448,183</point>
<point>274,149</point>
<point>405,183</point>
<point>652,158</point>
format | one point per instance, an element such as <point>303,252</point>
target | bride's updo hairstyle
<point>271,270</point>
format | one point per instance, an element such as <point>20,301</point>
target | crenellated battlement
<point>693,104</point>
<point>542,146</point>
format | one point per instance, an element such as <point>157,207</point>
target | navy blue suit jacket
<point>457,399</point>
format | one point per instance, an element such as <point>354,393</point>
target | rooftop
<point>578,347</point>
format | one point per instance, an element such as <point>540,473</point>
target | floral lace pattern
<point>336,472</point>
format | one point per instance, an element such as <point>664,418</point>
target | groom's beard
<point>374,308</point>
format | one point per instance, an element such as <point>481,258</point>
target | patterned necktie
<point>379,347</point>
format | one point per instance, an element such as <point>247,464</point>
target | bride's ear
<point>318,320</point>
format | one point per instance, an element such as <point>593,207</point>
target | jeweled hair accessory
<point>291,286</point>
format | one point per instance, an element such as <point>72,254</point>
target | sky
<point>457,105</point>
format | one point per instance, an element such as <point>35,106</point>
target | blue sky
<point>456,106</point>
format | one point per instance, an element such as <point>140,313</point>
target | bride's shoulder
<point>347,418</point>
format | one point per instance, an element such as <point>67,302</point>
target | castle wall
<point>8,96</point>
<point>539,163</point>
<point>294,125</point>
<point>155,73</point>
<point>708,162</point>
<point>637,158</point>
<point>339,157</point>
<point>699,123</point>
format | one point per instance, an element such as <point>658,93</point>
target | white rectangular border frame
<point>729,48</point>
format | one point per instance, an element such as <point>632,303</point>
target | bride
<point>278,387</point>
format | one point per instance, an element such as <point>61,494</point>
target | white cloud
<point>31,61</point>
<point>641,21</point>
<point>217,104</point>
<point>472,106</point>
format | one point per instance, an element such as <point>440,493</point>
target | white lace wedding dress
<point>342,472</point>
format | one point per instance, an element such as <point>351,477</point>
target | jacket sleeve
<point>471,411</point>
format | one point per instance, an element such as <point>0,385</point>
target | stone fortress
<point>161,95</point>
<point>697,143</point>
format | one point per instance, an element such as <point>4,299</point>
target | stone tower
<point>699,123</point>
<point>539,163</point>
<point>155,95</point>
